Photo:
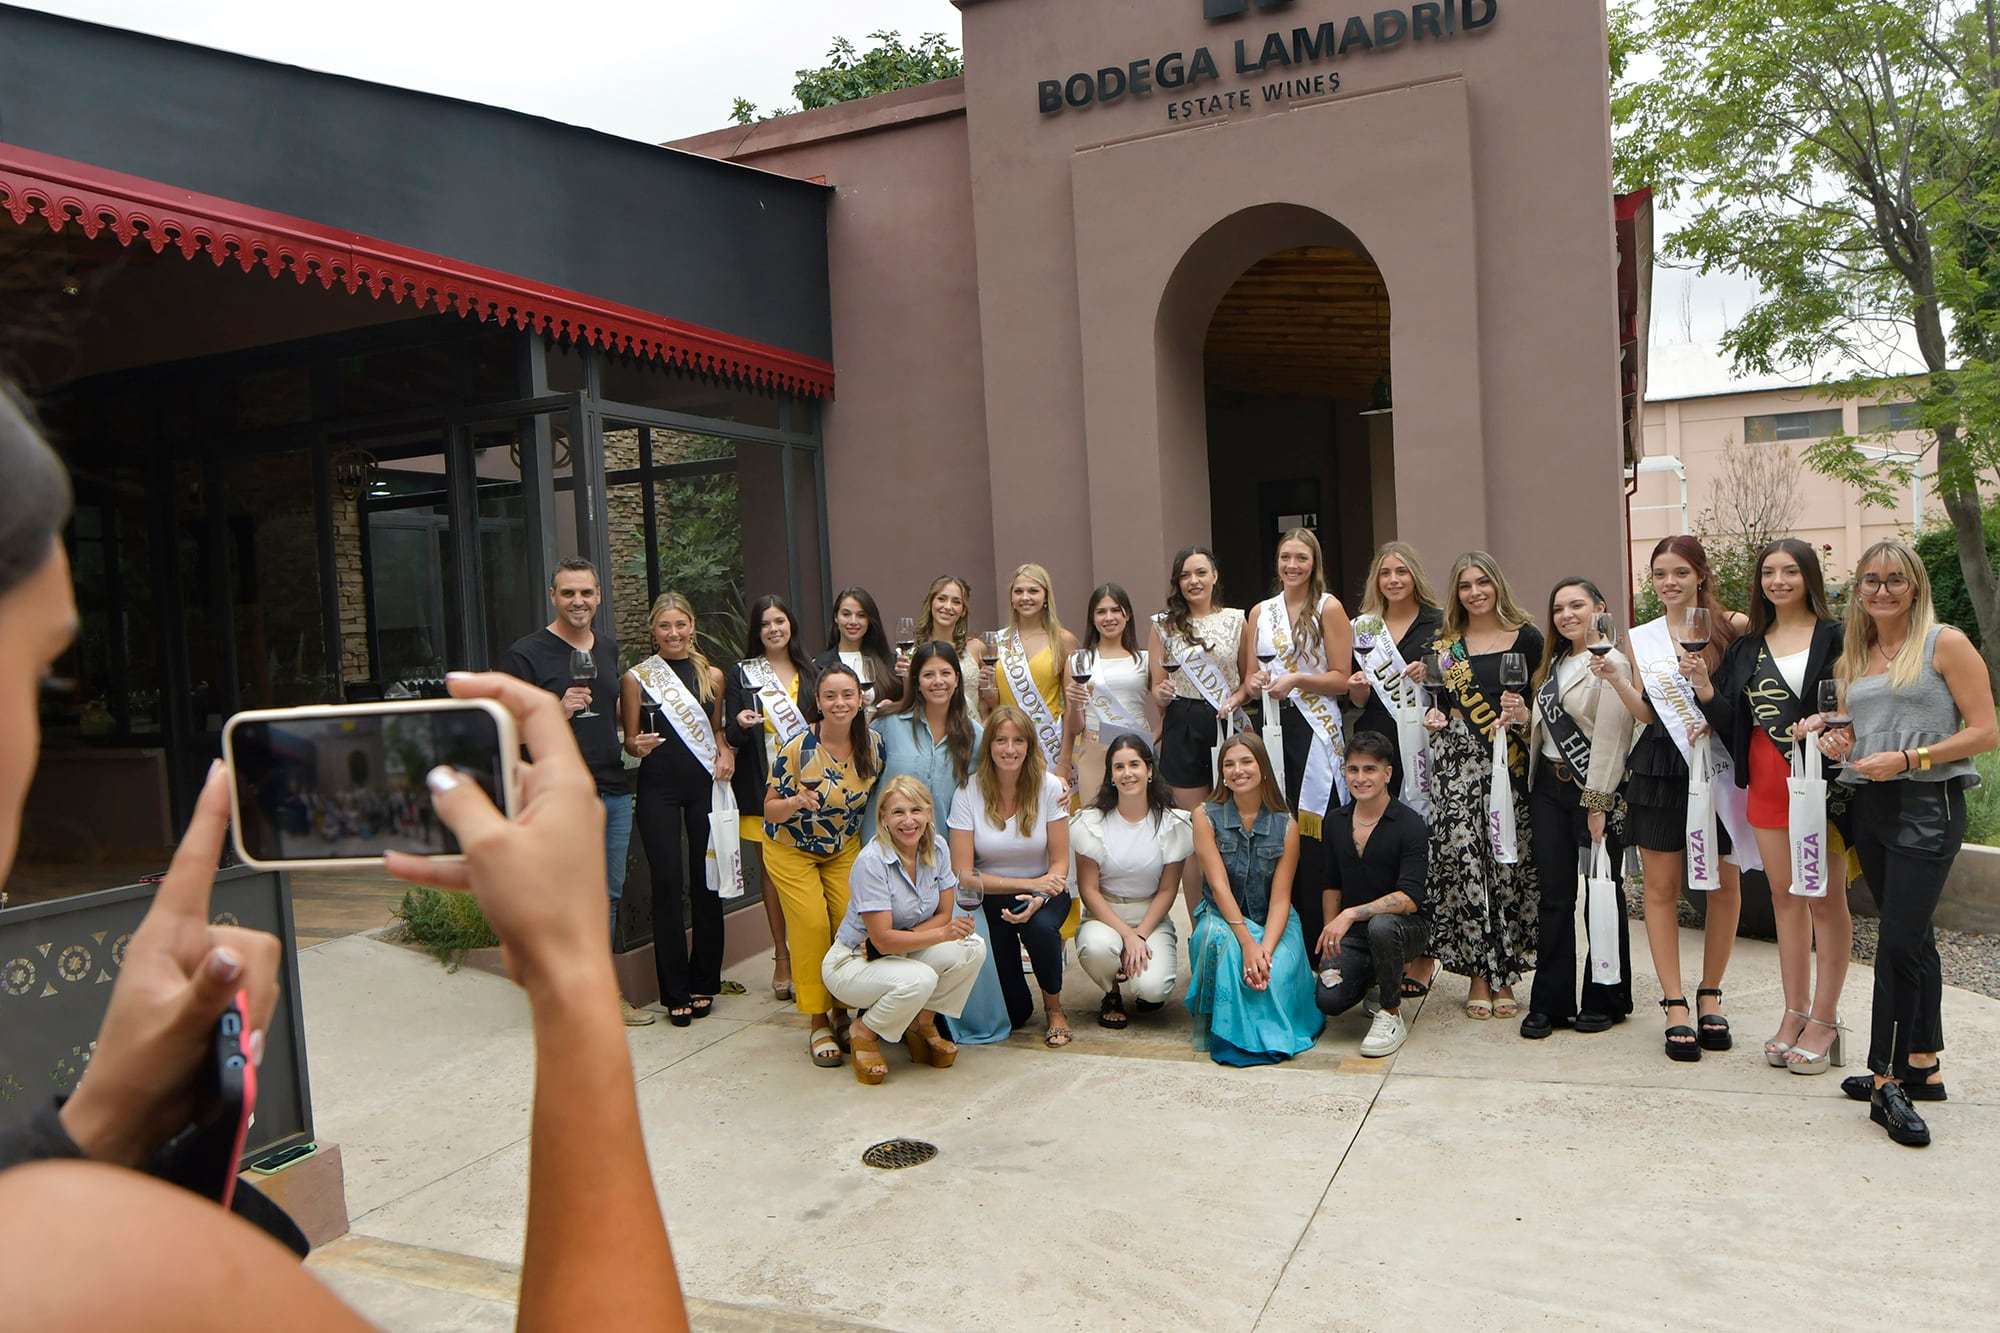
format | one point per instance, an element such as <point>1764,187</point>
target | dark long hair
<point>1178,612</point>
<point>1158,798</point>
<point>874,642</point>
<point>1721,629</point>
<point>1551,636</point>
<point>1129,640</point>
<point>957,717</point>
<point>754,643</point>
<point>35,502</point>
<point>858,734</point>
<point>1764,612</point>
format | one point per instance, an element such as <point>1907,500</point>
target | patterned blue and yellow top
<point>843,794</point>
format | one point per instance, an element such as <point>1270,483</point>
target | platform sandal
<point>1803,1061</point>
<point>1714,1027</point>
<point>1682,1043</point>
<point>1774,1050</point>
<point>869,1066</point>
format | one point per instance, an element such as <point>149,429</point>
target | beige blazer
<point>1603,718</point>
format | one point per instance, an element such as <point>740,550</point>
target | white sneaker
<point>1386,1036</point>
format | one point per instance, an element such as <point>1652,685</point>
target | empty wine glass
<point>1434,678</point>
<point>583,671</point>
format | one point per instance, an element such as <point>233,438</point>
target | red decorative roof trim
<point>63,194</point>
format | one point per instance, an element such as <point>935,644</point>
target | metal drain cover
<point>896,1154</point>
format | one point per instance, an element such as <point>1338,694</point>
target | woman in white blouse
<point>1130,843</point>
<point>1107,695</point>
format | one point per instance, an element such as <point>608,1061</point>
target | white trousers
<point>895,988</point>
<point>1101,950</point>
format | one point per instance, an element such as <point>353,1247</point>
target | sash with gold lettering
<point>1509,754</point>
<point>1376,652</point>
<point>1711,774</point>
<point>1773,706</point>
<point>1200,668</point>
<point>778,705</point>
<point>1021,680</point>
<point>681,707</point>
<point>1323,778</point>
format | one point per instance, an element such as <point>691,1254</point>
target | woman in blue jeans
<point>1250,987</point>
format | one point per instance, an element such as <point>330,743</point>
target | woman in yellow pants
<point>819,786</point>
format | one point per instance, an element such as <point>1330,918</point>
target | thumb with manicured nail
<point>463,806</point>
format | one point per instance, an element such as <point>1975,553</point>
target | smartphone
<point>225,1102</point>
<point>339,785</point>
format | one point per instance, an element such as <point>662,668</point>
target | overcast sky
<point>651,70</point>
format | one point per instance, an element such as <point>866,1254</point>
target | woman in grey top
<point>1921,705</point>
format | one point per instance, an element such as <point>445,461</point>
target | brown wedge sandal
<point>927,1045</point>
<point>869,1066</point>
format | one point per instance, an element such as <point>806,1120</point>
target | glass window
<point>1890,417</point>
<point>510,603</point>
<point>410,568</point>
<point>275,582</point>
<point>652,383</point>
<point>565,365</point>
<point>1817,425</point>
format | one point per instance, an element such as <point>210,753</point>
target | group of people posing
<point>1435,783</point>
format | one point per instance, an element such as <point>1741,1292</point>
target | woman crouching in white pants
<point>1130,844</point>
<point>900,953</point>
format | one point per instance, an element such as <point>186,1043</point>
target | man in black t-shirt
<point>543,658</point>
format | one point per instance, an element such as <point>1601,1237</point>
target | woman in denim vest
<point>1250,987</point>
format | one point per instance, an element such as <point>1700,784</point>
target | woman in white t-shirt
<point>1130,843</point>
<point>1010,829</point>
<point>1107,695</point>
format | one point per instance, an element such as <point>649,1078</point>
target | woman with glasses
<point>1921,706</point>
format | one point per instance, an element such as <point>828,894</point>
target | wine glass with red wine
<point>583,671</point>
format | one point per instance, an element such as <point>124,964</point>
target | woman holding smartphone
<point>764,707</point>
<point>1770,682</point>
<point>1920,705</point>
<point>900,952</point>
<point>679,764</point>
<point>1108,693</point>
<point>1662,698</point>
<point>820,784</point>
<point>1010,836</point>
<point>858,639</point>
<point>1033,666</point>
<point>1130,842</point>
<point>1483,908</point>
<point>1250,987</point>
<point>1196,662</point>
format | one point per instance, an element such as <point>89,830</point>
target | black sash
<point>1575,746</point>
<point>1773,706</point>
<point>1483,716</point>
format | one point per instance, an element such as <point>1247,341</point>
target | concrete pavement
<point>1472,1179</point>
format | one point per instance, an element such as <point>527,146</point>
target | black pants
<point>1907,834</point>
<point>1373,954</point>
<point>1558,837</point>
<point>673,828</point>
<point>1042,934</point>
<point>1309,880</point>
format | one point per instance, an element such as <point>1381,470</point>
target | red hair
<point>1721,626</point>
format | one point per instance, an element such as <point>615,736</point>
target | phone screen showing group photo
<point>331,788</point>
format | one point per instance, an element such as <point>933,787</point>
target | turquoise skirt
<point>984,1019</point>
<point>1234,1024</point>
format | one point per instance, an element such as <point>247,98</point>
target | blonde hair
<point>1028,786</point>
<point>1420,582</point>
<point>1504,606</point>
<point>907,786</point>
<point>1862,636</point>
<point>704,674</point>
<point>1035,573</point>
<point>927,628</point>
<point>1305,630</point>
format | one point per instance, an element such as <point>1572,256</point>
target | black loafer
<point>1594,1022</point>
<point>1537,1026</point>
<point>1861,1087</point>
<point>1891,1109</point>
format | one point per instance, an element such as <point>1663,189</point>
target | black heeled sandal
<point>1714,1027</point>
<point>1682,1043</point>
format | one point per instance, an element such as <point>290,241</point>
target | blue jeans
<point>617,848</point>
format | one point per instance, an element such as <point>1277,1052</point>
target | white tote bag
<point>1807,820</point>
<point>724,863</point>
<point>1704,869</point>
<point>1500,801</point>
<point>1601,913</point>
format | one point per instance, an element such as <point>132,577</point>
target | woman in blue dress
<point>1251,995</point>
<point>931,735</point>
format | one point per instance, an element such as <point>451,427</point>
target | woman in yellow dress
<point>1028,667</point>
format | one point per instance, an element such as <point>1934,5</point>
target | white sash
<point>1657,658</point>
<point>1209,682</point>
<point>1108,710</point>
<point>1385,667</point>
<point>1323,778</point>
<point>776,700</point>
<point>1021,680</point>
<point>690,721</point>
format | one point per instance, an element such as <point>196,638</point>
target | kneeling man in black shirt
<point>1377,852</point>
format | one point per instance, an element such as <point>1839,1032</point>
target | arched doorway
<point>1299,413</point>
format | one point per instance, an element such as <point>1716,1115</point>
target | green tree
<point>849,74</point>
<point>1844,155</point>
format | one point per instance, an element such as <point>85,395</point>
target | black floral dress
<point>1483,913</point>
